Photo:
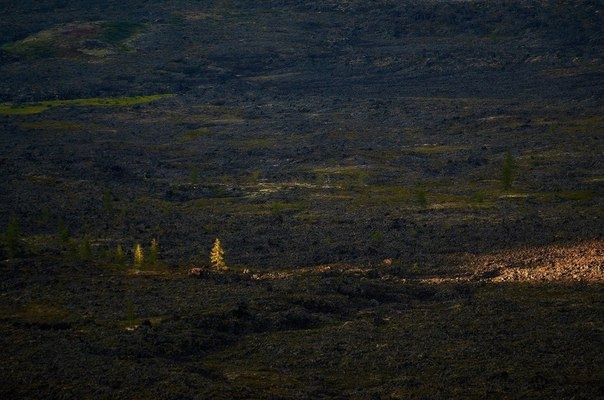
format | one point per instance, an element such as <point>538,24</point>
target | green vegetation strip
<point>38,107</point>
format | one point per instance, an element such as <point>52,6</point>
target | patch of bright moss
<point>38,107</point>
<point>437,149</point>
<point>116,32</point>
<point>264,78</point>
<point>194,135</point>
<point>51,125</point>
<point>44,314</point>
<point>76,39</point>
<point>35,49</point>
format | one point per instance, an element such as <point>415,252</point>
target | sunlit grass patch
<point>195,15</point>
<point>19,109</point>
<point>254,143</point>
<point>133,322</point>
<point>581,125</point>
<point>565,72</point>
<point>38,107</point>
<point>206,114</point>
<point>116,32</point>
<point>348,177</point>
<point>219,110</point>
<point>44,314</point>
<point>436,148</point>
<point>576,195</point>
<point>549,196</point>
<point>428,196</point>
<point>226,119</point>
<point>263,78</point>
<point>195,134</point>
<point>595,180</point>
<point>43,179</point>
<point>52,125</point>
<point>344,169</point>
<point>36,48</point>
<point>76,39</point>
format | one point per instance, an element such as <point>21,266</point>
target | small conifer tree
<point>63,232</point>
<point>217,256</point>
<point>12,236</point>
<point>107,201</point>
<point>119,254</point>
<point>85,250</point>
<point>421,197</point>
<point>507,171</point>
<point>153,251</point>
<point>138,255</point>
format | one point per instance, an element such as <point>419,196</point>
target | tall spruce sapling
<point>138,255</point>
<point>217,256</point>
<point>507,171</point>
<point>63,232</point>
<point>120,256</point>
<point>85,249</point>
<point>421,197</point>
<point>107,202</point>
<point>12,236</point>
<point>153,251</point>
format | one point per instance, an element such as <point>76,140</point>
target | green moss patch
<point>38,107</point>
<point>437,149</point>
<point>97,39</point>
<point>44,315</point>
<point>117,32</point>
<point>193,135</point>
<point>52,125</point>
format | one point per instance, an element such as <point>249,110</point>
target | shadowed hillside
<point>404,182</point>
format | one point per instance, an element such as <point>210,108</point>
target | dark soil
<point>335,331</point>
<point>409,195</point>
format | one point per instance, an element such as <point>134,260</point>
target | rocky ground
<point>331,331</point>
<point>583,262</point>
<point>414,190</point>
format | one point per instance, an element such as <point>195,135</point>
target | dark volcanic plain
<point>409,195</point>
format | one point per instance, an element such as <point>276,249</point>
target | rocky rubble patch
<point>580,262</point>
